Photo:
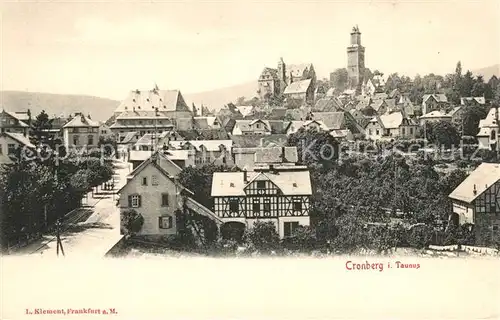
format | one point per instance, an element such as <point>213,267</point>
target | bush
<point>303,240</point>
<point>263,237</point>
<point>419,236</point>
<point>131,222</point>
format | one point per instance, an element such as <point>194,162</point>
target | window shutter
<point>139,201</point>
<point>129,201</point>
<point>159,223</point>
<point>170,222</point>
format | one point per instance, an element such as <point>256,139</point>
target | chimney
<point>283,157</point>
<point>474,190</point>
<point>245,176</point>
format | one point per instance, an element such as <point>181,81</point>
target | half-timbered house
<point>279,194</point>
<point>476,201</point>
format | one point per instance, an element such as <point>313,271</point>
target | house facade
<point>273,82</point>
<point>16,144</point>
<point>489,129</point>
<point>250,127</point>
<point>476,201</point>
<point>273,195</point>
<point>390,126</point>
<point>10,122</point>
<point>153,191</point>
<point>81,132</point>
<point>207,151</point>
<point>434,102</point>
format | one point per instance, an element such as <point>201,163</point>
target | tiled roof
<point>391,103</point>
<point>330,104</point>
<point>13,115</point>
<point>19,137</point>
<point>479,100</point>
<point>209,145</point>
<point>391,120</point>
<point>245,110</point>
<point>81,121</point>
<point>258,140</point>
<point>246,125</point>
<point>485,175</point>
<point>140,155</point>
<point>380,96</point>
<point>128,137</point>
<point>333,120</point>
<point>377,104</point>
<point>164,100</point>
<point>490,120</point>
<point>297,70</point>
<point>298,87</point>
<point>440,97</point>
<point>297,182</point>
<point>277,113</point>
<point>296,114</point>
<point>435,114</point>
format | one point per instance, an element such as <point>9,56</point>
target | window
<point>257,125</point>
<point>493,135</point>
<point>411,130</point>
<point>144,181</point>
<point>256,205</point>
<point>290,227</point>
<point>267,205</point>
<point>164,199</point>
<point>1,149</point>
<point>297,205</point>
<point>378,132</point>
<point>134,201</point>
<point>404,131</point>
<point>11,148</point>
<point>370,132</point>
<point>85,130</point>
<point>234,205</point>
<point>261,184</point>
<point>76,140</point>
<point>90,140</point>
<point>493,207</point>
<point>154,180</point>
<point>165,222</point>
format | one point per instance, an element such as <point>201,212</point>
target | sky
<point>108,48</point>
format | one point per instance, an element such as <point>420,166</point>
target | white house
<point>489,130</point>
<point>154,191</point>
<point>246,127</point>
<point>476,201</point>
<point>271,195</point>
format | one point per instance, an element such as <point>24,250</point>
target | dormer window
<point>133,100</point>
<point>295,185</point>
<point>231,185</point>
<point>147,99</point>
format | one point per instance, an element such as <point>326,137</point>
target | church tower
<point>282,75</point>
<point>355,61</point>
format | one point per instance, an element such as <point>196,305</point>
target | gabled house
<point>302,91</point>
<point>81,132</point>
<point>434,102</point>
<point>16,145</point>
<point>10,122</point>
<point>246,127</point>
<point>380,106</point>
<point>248,158</point>
<point>435,116</point>
<point>154,191</point>
<point>207,151</point>
<point>280,196</point>
<point>489,129</point>
<point>472,101</point>
<point>390,126</point>
<point>295,126</point>
<point>476,201</point>
<point>170,103</point>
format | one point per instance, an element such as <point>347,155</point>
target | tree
<point>479,87</point>
<point>131,222</point>
<point>496,99</point>
<point>108,146</point>
<point>466,84</point>
<point>314,147</point>
<point>470,118</point>
<point>199,180</point>
<point>339,79</point>
<point>40,130</point>
<point>443,133</point>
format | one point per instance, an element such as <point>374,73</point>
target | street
<point>92,229</point>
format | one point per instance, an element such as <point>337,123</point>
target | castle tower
<point>355,61</point>
<point>282,75</point>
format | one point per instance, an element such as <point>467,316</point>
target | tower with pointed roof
<point>355,60</point>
